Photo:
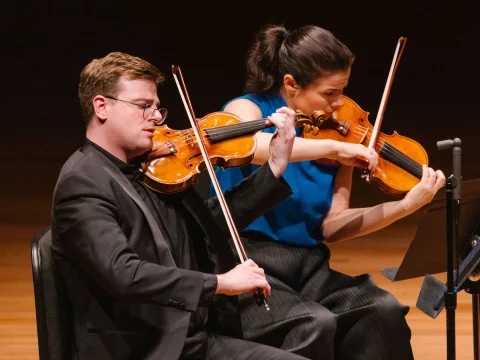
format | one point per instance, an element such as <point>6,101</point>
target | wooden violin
<point>229,140</point>
<point>400,158</point>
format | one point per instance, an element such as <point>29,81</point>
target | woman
<point>315,311</point>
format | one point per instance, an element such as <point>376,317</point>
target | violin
<point>190,150</point>
<point>400,159</point>
<point>230,142</point>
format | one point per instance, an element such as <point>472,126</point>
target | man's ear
<point>290,84</point>
<point>100,107</point>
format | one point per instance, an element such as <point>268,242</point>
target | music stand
<point>430,237</point>
<point>431,240</point>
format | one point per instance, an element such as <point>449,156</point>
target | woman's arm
<point>303,149</point>
<point>343,223</point>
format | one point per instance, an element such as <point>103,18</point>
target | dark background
<point>45,46</point>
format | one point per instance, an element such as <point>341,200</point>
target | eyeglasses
<point>148,110</point>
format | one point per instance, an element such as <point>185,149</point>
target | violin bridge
<point>190,140</point>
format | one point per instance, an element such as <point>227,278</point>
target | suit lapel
<point>163,250</point>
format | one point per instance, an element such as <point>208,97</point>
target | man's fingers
<point>282,117</point>
<point>278,120</point>
<point>259,271</point>
<point>264,286</point>
<point>251,263</point>
<point>286,110</point>
<point>267,291</point>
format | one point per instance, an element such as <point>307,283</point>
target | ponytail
<point>263,61</point>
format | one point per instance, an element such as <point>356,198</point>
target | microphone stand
<point>453,194</point>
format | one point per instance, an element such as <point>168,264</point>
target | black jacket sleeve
<point>251,198</point>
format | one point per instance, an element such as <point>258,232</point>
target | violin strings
<point>232,130</point>
<point>393,153</point>
<point>213,133</point>
<point>399,156</point>
<point>359,132</point>
<point>390,152</point>
<point>216,133</point>
<point>186,138</point>
<point>396,154</point>
<point>235,127</point>
<point>400,159</point>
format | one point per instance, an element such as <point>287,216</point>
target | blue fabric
<point>295,220</point>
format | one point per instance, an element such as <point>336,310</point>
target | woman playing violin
<point>315,311</point>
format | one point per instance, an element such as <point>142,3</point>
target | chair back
<point>54,325</point>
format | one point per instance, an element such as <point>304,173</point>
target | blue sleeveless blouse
<point>296,219</point>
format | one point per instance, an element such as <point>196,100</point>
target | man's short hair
<point>101,76</point>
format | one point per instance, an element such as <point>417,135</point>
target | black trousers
<point>205,346</point>
<point>320,313</point>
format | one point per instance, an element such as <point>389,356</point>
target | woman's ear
<point>290,84</point>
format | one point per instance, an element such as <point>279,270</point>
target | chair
<point>54,325</point>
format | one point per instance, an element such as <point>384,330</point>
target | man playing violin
<point>316,312</point>
<point>143,270</point>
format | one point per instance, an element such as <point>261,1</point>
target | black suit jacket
<point>129,299</point>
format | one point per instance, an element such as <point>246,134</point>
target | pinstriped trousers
<point>320,313</point>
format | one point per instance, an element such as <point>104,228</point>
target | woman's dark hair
<point>306,53</point>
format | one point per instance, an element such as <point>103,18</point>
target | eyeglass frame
<point>144,107</point>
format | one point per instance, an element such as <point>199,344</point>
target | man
<point>143,269</point>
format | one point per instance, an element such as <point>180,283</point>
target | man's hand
<point>357,155</point>
<point>425,190</point>
<point>246,277</point>
<point>282,140</point>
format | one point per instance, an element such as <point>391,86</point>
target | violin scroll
<point>310,123</point>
